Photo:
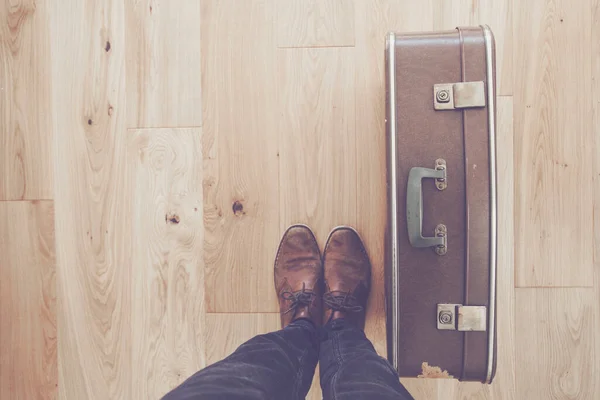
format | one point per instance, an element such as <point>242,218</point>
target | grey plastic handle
<point>414,207</point>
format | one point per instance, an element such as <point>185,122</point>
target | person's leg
<point>350,367</point>
<point>277,365</point>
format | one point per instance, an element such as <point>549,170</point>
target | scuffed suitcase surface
<point>460,137</point>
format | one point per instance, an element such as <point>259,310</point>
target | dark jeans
<point>281,365</point>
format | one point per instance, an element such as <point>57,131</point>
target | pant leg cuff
<point>304,323</point>
<point>335,325</point>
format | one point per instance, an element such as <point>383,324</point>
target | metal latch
<point>456,317</point>
<point>450,96</point>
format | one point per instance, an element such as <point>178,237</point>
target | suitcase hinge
<point>450,96</point>
<point>456,317</point>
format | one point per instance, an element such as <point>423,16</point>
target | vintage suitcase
<point>441,236</point>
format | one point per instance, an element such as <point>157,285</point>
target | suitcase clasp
<point>450,96</point>
<point>456,317</point>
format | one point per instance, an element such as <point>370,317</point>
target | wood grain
<point>163,63</point>
<point>317,138</point>
<point>240,145</point>
<point>315,23</point>
<point>553,144</point>
<point>226,332</point>
<point>28,361</point>
<point>596,124</point>
<point>374,19</point>
<point>421,389</point>
<point>315,392</point>
<point>129,288</point>
<point>448,14</point>
<point>504,382</point>
<point>92,192</point>
<point>25,107</point>
<point>555,351</point>
<point>167,270</point>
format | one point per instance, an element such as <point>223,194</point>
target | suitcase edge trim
<point>489,61</point>
<point>393,206</point>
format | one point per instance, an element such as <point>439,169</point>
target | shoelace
<point>300,298</point>
<point>341,301</point>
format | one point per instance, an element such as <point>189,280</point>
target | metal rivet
<point>440,165</point>
<point>445,317</point>
<point>443,96</point>
<point>441,231</point>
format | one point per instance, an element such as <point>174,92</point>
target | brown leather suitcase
<point>441,236</point>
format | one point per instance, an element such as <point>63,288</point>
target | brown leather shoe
<point>299,276</point>
<point>347,277</point>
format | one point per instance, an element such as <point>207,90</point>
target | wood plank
<point>163,63</point>
<point>499,16</point>
<point>555,347</point>
<point>93,229</point>
<point>226,332</point>
<point>421,389</point>
<point>167,271</point>
<point>27,301</point>
<point>315,23</point>
<point>315,392</point>
<point>25,106</point>
<point>317,145</point>
<point>374,19</point>
<point>240,145</point>
<point>596,162</point>
<point>504,382</point>
<point>553,144</point>
<point>448,14</point>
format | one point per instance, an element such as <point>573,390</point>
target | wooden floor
<point>152,152</point>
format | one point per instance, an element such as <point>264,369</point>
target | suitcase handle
<point>414,207</point>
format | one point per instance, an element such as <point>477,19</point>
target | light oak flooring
<point>152,152</point>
